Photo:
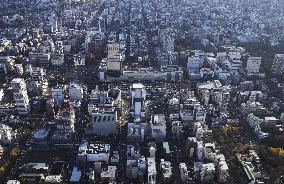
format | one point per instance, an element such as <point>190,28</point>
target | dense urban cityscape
<point>142,91</point>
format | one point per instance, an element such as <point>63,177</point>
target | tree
<point>15,153</point>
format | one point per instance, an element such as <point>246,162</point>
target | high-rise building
<point>21,95</point>
<point>138,95</point>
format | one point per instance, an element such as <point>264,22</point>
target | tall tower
<point>21,96</point>
<point>138,95</point>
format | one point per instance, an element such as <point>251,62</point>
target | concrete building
<point>222,169</point>
<point>1,94</point>
<point>254,120</point>
<point>103,122</point>
<point>253,65</point>
<point>105,111</point>
<point>194,63</point>
<point>13,182</point>
<point>108,102</point>
<point>5,134</point>
<point>158,127</point>
<point>109,174</point>
<point>57,94</point>
<point>234,62</point>
<point>152,172</point>
<point>65,117</point>
<point>135,164</point>
<point>138,96</point>
<point>177,129</point>
<point>278,65</point>
<point>136,132</point>
<point>37,87</point>
<point>166,170</point>
<point>41,58</point>
<point>114,57</point>
<point>76,92</point>
<point>89,152</point>
<point>102,71</point>
<point>65,123</point>
<point>253,107</point>
<point>20,95</point>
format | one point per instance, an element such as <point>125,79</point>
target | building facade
<point>21,95</point>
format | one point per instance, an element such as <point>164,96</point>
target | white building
<point>5,134</point>
<point>94,152</point>
<point>13,182</point>
<point>114,57</point>
<point>152,172</point>
<point>158,127</point>
<point>20,95</point>
<point>1,94</point>
<point>234,62</point>
<point>76,92</point>
<point>278,65</point>
<point>253,65</point>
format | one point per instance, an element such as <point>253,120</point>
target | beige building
<point>114,57</point>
